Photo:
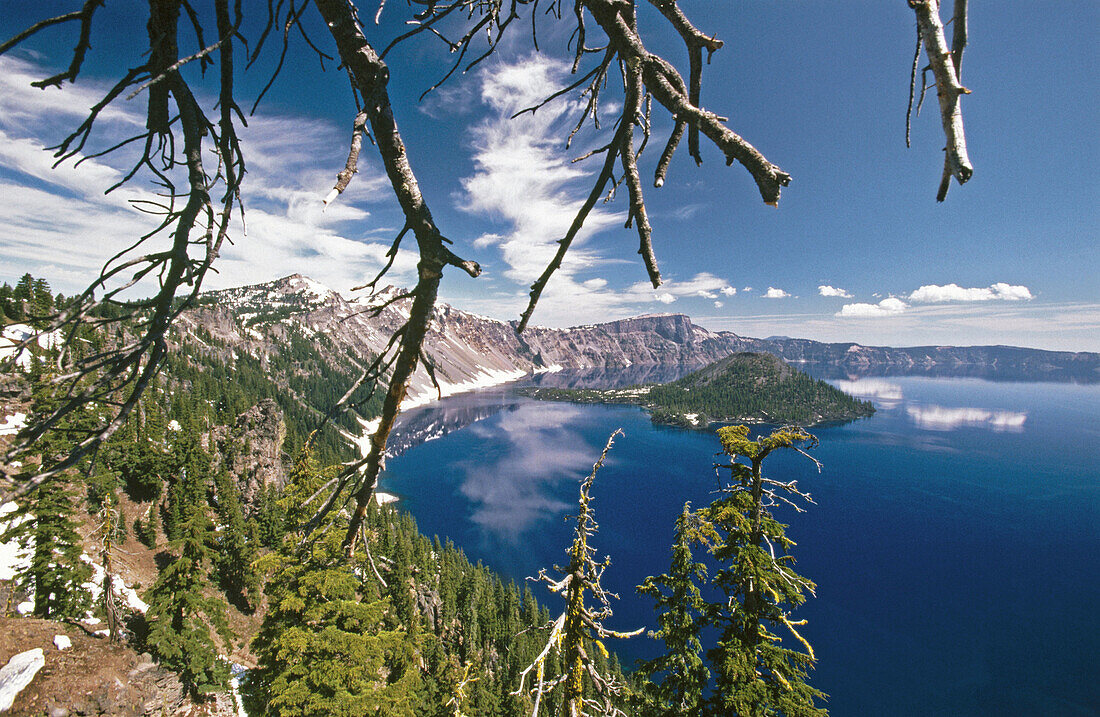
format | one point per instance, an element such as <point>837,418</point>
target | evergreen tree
<point>328,645</point>
<point>755,674</point>
<point>576,636</point>
<point>236,546</point>
<point>679,675</point>
<point>56,571</point>
<point>182,610</point>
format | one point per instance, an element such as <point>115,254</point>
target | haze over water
<point>955,540</point>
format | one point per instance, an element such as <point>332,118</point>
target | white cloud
<point>774,293</point>
<point>718,304</point>
<point>747,289</point>
<point>891,306</point>
<point>524,177</point>
<point>833,291</point>
<point>729,290</point>
<point>931,293</point>
<point>664,298</point>
<point>56,222</point>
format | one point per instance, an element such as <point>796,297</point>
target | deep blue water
<point>955,541</point>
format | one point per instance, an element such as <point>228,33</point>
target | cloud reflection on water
<point>940,418</point>
<point>887,394</point>
<point>529,451</point>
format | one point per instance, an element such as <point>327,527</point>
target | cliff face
<point>470,350</point>
<point>253,450</point>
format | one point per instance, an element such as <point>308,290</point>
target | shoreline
<point>487,378</point>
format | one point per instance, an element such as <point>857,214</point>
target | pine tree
<point>56,571</point>
<point>576,636</point>
<point>323,648</point>
<point>236,546</point>
<point>182,610</point>
<point>755,674</point>
<point>679,675</point>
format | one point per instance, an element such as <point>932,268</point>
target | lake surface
<point>955,541</point>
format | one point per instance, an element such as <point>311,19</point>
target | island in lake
<point>741,388</point>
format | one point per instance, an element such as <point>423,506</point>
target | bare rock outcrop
<point>252,449</point>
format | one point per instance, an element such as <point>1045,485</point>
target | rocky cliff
<point>470,350</point>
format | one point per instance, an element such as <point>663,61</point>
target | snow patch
<point>485,378</point>
<point>236,672</point>
<point>384,498</point>
<point>62,642</point>
<point>122,590</point>
<point>13,424</point>
<point>14,556</point>
<point>17,674</point>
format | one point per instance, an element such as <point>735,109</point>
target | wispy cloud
<point>56,222</point>
<point>833,291</point>
<point>525,178</point>
<point>931,293</point>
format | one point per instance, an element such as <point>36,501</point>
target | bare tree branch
<point>948,88</point>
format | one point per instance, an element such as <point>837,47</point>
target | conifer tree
<point>183,609</point>
<point>679,676</point>
<point>55,572</point>
<point>325,646</point>
<point>576,636</point>
<point>236,546</point>
<point>756,675</point>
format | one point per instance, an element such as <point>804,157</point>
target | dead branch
<point>948,88</point>
<point>580,625</point>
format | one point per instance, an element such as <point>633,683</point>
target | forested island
<point>742,388</point>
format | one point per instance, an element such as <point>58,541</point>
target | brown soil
<point>93,677</point>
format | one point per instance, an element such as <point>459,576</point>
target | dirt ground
<point>93,677</point>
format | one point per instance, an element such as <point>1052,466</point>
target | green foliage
<point>47,516</point>
<point>758,387</point>
<point>55,573</point>
<point>328,644</point>
<point>236,545</point>
<point>304,376</point>
<point>678,677</point>
<point>146,530</point>
<point>183,610</point>
<point>755,672</point>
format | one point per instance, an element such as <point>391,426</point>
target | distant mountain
<point>754,387</point>
<point>471,351</point>
<point>741,388</point>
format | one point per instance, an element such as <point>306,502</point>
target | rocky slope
<point>470,350</point>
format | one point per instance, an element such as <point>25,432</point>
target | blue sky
<point>857,250</point>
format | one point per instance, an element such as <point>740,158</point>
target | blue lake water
<point>955,541</point>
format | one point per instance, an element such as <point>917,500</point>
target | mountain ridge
<point>470,350</point>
